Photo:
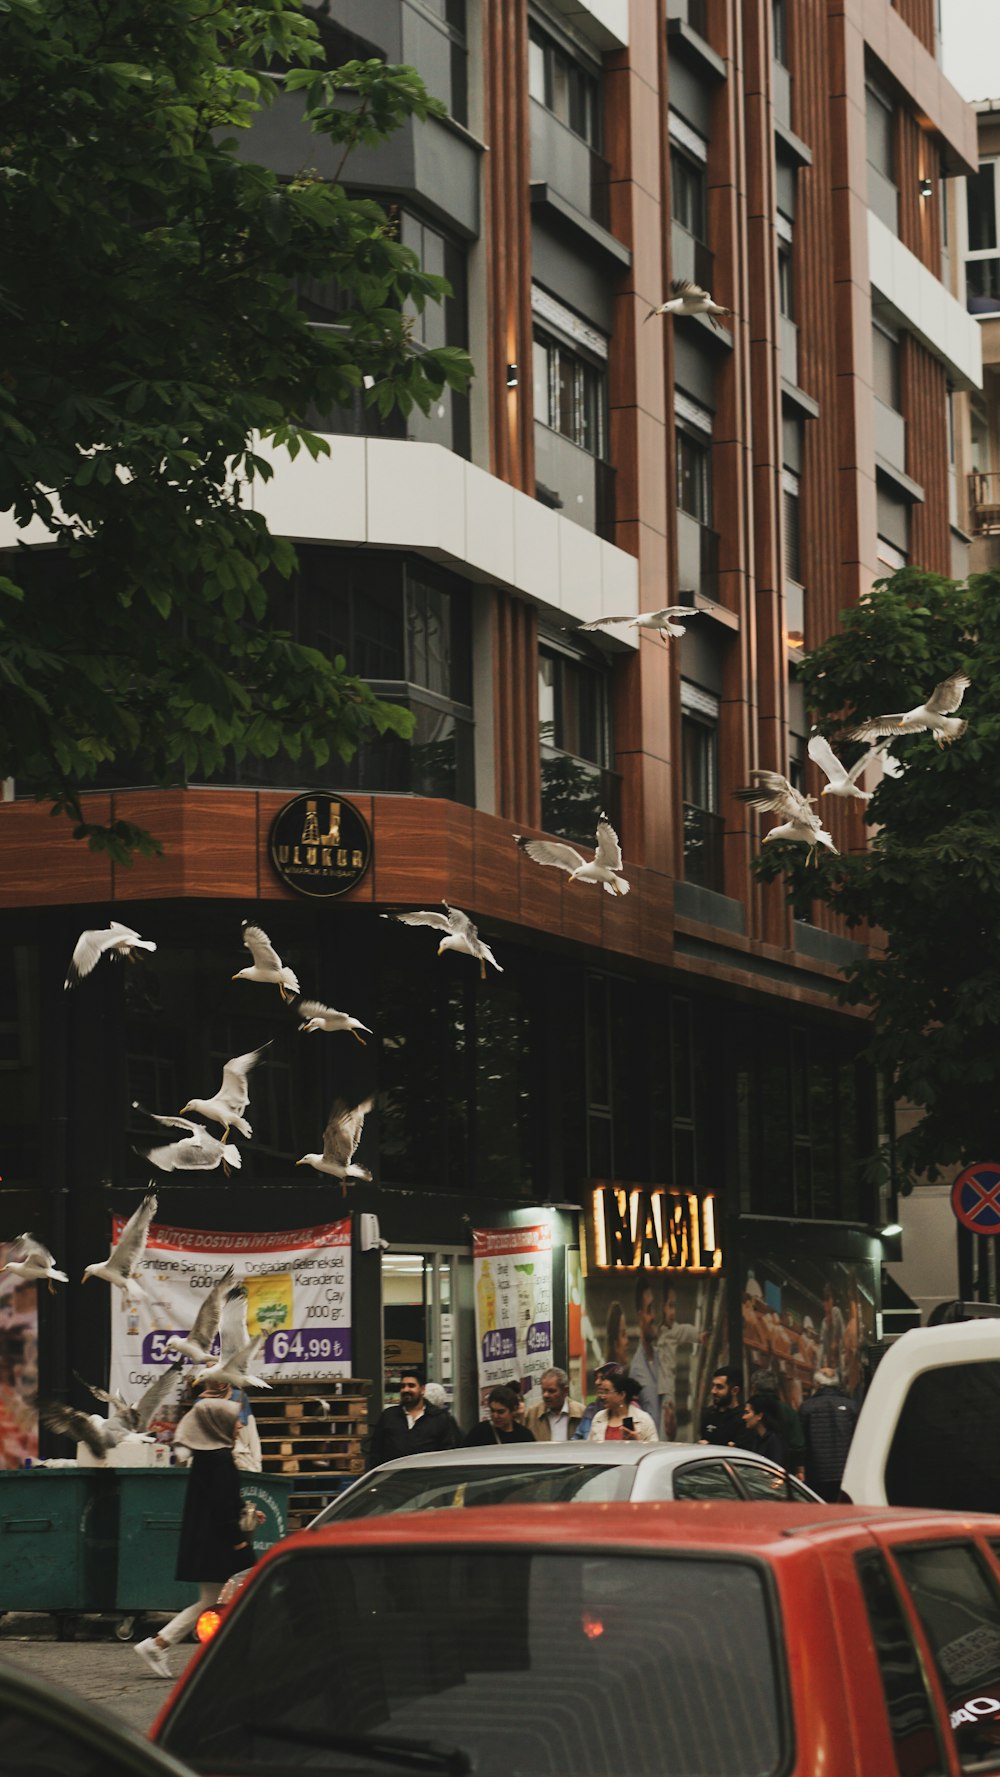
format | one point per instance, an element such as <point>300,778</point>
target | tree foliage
<point>151,334</point>
<point>930,877</point>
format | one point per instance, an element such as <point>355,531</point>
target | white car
<point>929,1431</point>
<point>532,1474</point>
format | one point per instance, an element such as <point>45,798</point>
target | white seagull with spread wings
<point>267,965</point>
<point>33,1261</point>
<point>197,1344</point>
<point>316,1016</point>
<point>936,715</point>
<point>773,794</point>
<point>120,1265</point>
<point>233,1096</point>
<point>460,933</point>
<point>136,1416</point>
<point>687,298</point>
<point>118,942</point>
<point>237,1351</point>
<point>842,782</point>
<point>197,1151</point>
<point>662,623</point>
<point>604,867</point>
<point>340,1142</point>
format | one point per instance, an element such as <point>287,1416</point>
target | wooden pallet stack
<point>310,1432</point>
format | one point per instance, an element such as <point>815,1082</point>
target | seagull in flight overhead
<point>662,623</point>
<point>197,1151</point>
<point>117,941</point>
<point>33,1261</point>
<point>604,867</point>
<point>460,933</point>
<point>936,715</point>
<point>340,1142</point>
<point>197,1343</point>
<point>237,1351</point>
<point>267,965</point>
<point>842,782</point>
<point>689,299</point>
<point>233,1096</point>
<point>316,1016</point>
<point>137,1416</point>
<point>773,794</point>
<point>120,1265</point>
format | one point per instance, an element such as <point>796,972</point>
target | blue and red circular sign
<point>975,1197</point>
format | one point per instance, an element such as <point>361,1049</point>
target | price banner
<point>513,1284</point>
<point>298,1286</point>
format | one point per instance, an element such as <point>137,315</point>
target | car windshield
<point>544,1664</point>
<point>442,1485</point>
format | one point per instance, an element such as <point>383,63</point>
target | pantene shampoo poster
<point>298,1295</point>
<point>513,1283</point>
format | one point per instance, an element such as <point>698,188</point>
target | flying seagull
<point>689,299</point>
<point>233,1096</point>
<point>842,782</point>
<point>33,1262</point>
<point>267,965</point>
<point>603,867</point>
<point>139,1415</point>
<point>460,933</point>
<point>197,1344</point>
<point>237,1351</point>
<point>773,794</point>
<point>316,1016</point>
<point>662,623</point>
<point>118,942</point>
<point>936,715</point>
<point>99,1435</point>
<point>123,1259</point>
<point>197,1151</point>
<point>340,1142</point>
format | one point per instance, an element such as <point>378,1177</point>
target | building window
<point>779,17</point>
<point>689,194</point>
<point>883,196</point>
<point>890,555</point>
<point>982,267</point>
<point>694,475</point>
<point>574,733</point>
<point>885,367</point>
<point>560,82</point>
<point>570,393</point>
<point>703,825</point>
<point>790,490</point>
<point>786,300</point>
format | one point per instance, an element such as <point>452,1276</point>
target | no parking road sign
<point>975,1197</point>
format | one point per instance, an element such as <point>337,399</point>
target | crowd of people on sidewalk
<point>811,1442</point>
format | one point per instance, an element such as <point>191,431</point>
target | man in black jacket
<point>414,1426</point>
<point>828,1420</point>
<point>722,1420</point>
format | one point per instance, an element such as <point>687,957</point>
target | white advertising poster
<point>298,1286</point>
<point>513,1283</point>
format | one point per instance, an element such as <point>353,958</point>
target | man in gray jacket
<point>556,1417</point>
<point>828,1419</point>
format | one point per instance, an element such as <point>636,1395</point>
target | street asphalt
<point>93,1665</point>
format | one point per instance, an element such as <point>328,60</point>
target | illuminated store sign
<point>650,1228</point>
<point>320,844</point>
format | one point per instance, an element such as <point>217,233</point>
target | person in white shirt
<point>555,1417</point>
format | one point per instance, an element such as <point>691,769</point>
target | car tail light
<point>207,1624</point>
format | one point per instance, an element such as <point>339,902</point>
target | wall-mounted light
<point>926,187</point>
<point>890,1229</point>
<point>512,376</point>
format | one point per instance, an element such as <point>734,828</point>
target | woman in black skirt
<point>212,1545</point>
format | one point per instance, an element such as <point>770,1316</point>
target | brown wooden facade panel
<point>42,865</point>
<point>925,403</point>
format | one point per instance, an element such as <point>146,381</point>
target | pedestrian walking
<point>828,1420</point>
<point>413,1427</point>
<point>790,1428</point>
<point>212,1546</point>
<point>620,1419</point>
<point>501,1427</point>
<point>763,1424</point>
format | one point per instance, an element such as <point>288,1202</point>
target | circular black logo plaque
<point>320,844</point>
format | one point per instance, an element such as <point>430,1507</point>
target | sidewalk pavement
<point>100,1668</point>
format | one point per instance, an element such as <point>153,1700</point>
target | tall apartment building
<point>670,1060</point>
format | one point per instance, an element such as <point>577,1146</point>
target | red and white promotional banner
<point>513,1282</point>
<point>298,1285</point>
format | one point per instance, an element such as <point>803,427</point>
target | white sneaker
<point>154,1656</point>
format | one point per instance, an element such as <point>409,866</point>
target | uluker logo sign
<point>320,844</point>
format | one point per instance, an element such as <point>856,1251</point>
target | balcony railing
<point>697,556</point>
<point>575,483</point>
<point>984,502</point>
<point>574,793</point>
<point>703,860</point>
<point>693,12</point>
<point>689,257</point>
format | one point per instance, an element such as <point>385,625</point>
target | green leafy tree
<point>930,877</point>
<point>151,334</point>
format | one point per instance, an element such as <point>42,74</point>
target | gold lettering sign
<point>652,1228</point>
<point>320,844</point>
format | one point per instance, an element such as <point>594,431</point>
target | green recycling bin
<point>150,1507</point>
<point>57,1539</point>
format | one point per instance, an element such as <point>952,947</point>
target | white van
<point>929,1431</point>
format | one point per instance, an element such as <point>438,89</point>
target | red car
<point>691,1640</point>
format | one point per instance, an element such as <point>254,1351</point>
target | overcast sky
<point>971,46</point>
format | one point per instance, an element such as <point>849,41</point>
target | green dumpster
<point>150,1506</point>
<point>57,1539</point>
